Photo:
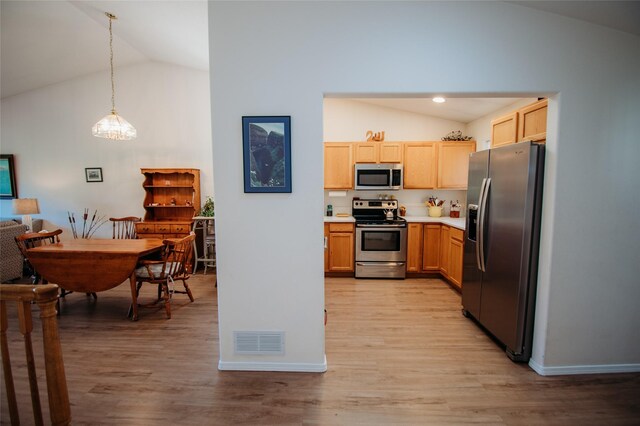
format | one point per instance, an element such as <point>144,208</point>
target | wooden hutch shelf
<point>172,199</point>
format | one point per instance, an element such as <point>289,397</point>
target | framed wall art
<point>8,188</point>
<point>93,174</point>
<point>267,153</point>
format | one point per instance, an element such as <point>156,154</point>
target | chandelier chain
<point>113,126</point>
<point>113,85</point>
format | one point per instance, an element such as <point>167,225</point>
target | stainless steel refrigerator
<point>504,199</point>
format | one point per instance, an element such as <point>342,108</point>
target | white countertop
<point>451,221</point>
<point>328,219</point>
<point>456,222</point>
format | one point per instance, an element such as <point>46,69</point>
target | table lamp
<point>26,207</point>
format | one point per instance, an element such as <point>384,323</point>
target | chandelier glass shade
<point>113,126</point>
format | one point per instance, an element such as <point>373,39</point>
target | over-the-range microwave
<point>371,176</point>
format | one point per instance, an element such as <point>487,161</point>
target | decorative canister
<point>435,211</point>
<point>454,211</point>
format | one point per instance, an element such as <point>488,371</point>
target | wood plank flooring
<point>399,352</point>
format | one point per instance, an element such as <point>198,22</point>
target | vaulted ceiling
<point>47,42</point>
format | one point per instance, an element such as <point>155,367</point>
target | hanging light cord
<point>113,84</point>
<point>113,126</point>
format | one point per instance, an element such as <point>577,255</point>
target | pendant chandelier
<point>113,126</point>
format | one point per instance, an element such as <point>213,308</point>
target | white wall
<point>346,120</point>
<point>281,58</point>
<point>49,132</point>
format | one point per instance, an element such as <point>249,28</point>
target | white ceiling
<point>620,15</point>
<point>47,42</point>
<point>463,110</point>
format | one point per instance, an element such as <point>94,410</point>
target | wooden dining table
<point>93,265</point>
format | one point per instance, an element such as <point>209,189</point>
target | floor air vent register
<point>258,342</point>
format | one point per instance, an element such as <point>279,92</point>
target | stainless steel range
<point>381,239</point>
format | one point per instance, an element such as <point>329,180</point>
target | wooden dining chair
<point>175,266</point>
<point>45,296</point>
<point>124,227</point>
<point>36,239</point>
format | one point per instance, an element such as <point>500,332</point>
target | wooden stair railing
<point>46,297</point>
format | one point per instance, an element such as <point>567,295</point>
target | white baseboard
<point>273,366</point>
<point>583,369</point>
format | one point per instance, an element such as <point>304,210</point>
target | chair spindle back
<point>124,228</point>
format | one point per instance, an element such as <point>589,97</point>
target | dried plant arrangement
<point>89,227</point>
<point>456,135</point>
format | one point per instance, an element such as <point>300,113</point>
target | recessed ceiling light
<point>438,99</point>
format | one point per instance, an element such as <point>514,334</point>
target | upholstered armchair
<point>12,260</point>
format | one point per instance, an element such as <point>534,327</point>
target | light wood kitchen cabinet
<point>420,165</point>
<point>453,164</point>
<point>366,152</point>
<point>527,123</point>
<point>391,152</point>
<point>338,165</point>
<point>504,130</point>
<point>431,247</point>
<point>414,247</point>
<point>445,232</point>
<point>378,152</point>
<point>326,247</point>
<point>341,248</point>
<point>532,122</point>
<point>456,252</point>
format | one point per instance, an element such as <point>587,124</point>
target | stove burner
<point>382,222</point>
<point>374,212</point>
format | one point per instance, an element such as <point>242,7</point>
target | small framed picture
<point>93,174</point>
<point>266,145</point>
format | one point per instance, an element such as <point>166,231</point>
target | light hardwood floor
<point>399,352</point>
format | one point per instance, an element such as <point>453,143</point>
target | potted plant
<point>208,208</point>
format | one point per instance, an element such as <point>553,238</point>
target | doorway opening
<point>371,129</point>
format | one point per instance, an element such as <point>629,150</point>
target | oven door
<point>381,243</point>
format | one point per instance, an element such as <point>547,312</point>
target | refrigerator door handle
<point>481,225</point>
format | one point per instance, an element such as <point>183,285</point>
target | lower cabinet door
<point>341,255</point>
<point>455,262</point>
<point>444,249</point>
<point>431,248</point>
<point>326,247</point>
<point>414,247</point>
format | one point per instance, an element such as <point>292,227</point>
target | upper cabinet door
<point>338,165</point>
<point>453,164</point>
<point>532,122</point>
<point>391,153</point>
<point>367,152</point>
<point>420,165</point>
<point>504,130</point>
<point>378,152</point>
